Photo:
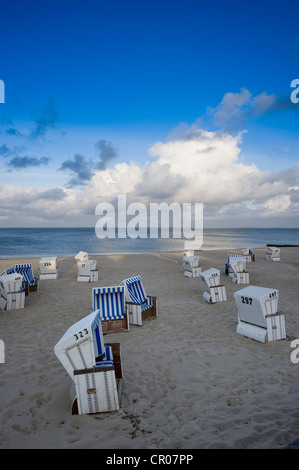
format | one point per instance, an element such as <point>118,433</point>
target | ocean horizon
<point>66,242</point>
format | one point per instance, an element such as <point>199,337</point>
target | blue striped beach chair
<point>140,306</point>
<point>31,282</point>
<point>111,303</point>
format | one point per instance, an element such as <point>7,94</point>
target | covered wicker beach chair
<point>258,315</point>
<point>191,266</point>
<point>87,271</point>
<point>12,293</point>
<point>240,275</point>
<point>231,258</point>
<point>273,253</point>
<point>214,291</point>
<point>31,282</point>
<point>141,307</point>
<point>48,268</point>
<point>94,367</point>
<point>110,301</point>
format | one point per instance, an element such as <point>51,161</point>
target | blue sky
<point>125,97</point>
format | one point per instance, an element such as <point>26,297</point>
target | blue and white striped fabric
<point>108,360</point>
<point>110,301</point>
<point>137,293</point>
<point>26,271</point>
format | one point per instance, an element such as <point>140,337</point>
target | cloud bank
<point>192,165</point>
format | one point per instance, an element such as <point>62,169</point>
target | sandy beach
<point>190,381</point>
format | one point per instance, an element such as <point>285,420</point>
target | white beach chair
<point>95,368</point>
<point>273,253</point>
<point>258,316</point>
<point>113,311</point>
<point>246,253</point>
<point>87,271</point>
<point>232,257</point>
<point>191,266</point>
<point>48,268</point>
<point>141,307</point>
<point>82,345</point>
<point>12,296</point>
<point>240,276</point>
<point>214,291</point>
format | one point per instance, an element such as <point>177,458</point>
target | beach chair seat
<point>191,266</point>
<point>87,271</point>
<point>214,291</point>
<point>141,307</point>
<point>240,276</point>
<point>98,389</point>
<point>31,282</point>
<point>48,268</point>
<point>12,296</point>
<point>273,253</point>
<point>258,315</point>
<point>112,306</point>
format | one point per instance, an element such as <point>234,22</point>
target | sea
<point>67,242</point>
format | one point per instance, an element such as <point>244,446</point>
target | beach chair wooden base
<point>138,317</point>
<point>216,294</point>
<point>49,276</point>
<point>241,278</point>
<point>99,389</point>
<point>115,326</point>
<point>194,273</point>
<point>275,330</point>
<point>13,301</point>
<point>34,288</point>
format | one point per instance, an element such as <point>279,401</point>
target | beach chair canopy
<point>11,282</point>
<point>211,277</point>
<point>27,272</point>
<point>81,256</point>
<point>82,345</point>
<point>255,303</point>
<point>110,301</point>
<point>136,292</point>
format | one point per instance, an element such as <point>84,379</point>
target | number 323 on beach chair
<point>140,306</point>
<point>113,311</point>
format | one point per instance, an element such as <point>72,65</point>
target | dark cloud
<point>25,162</point>
<point>81,168</point>
<point>47,121</point>
<point>4,150</point>
<point>106,153</point>
<point>12,131</point>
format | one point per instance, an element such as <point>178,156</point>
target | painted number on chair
<point>81,334</point>
<point>246,300</point>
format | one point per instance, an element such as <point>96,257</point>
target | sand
<point>190,381</point>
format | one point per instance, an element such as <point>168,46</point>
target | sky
<point>162,101</point>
